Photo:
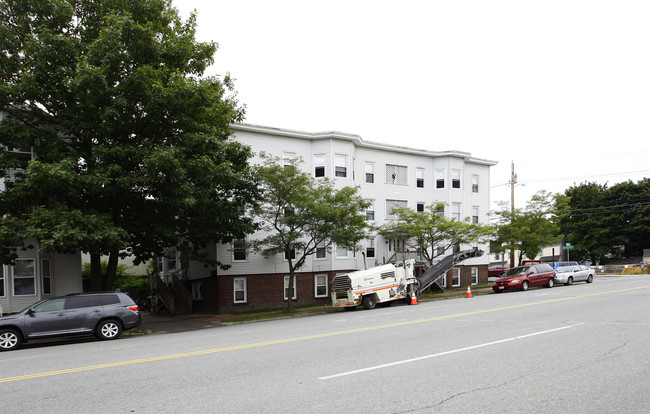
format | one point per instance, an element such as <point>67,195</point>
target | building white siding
<point>398,184</point>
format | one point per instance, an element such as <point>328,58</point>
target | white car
<point>576,273</point>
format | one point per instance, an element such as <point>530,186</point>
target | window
<point>286,288</point>
<point>321,252</point>
<point>440,250</point>
<point>240,290</point>
<point>24,277</point>
<point>370,172</point>
<point>370,211</point>
<point>170,260</point>
<point>196,291</point>
<point>288,159</point>
<point>474,183</point>
<point>455,178</point>
<point>443,280</point>
<point>396,174</point>
<point>419,207</point>
<point>2,281</point>
<point>320,286</point>
<point>341,166</point>
<point>319,165</point>
<point>293,254</point>
<point>239,250</point>
<point>46,273</point>
<point>342,252</point>
<point>474,271</point>
<point>77,302</point>
<point>440,210</point>
<point>455,277</point>
<point>53,305</point>
<point>24,156</point>
<point>392,204</point>
<point>370,248</point>
<point>455,211</point>
<point>419,177</point>
<point>475,214</point>
<point>440,178</point>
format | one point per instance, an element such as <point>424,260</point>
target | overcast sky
<point>560,88</point>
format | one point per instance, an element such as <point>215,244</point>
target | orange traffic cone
<point>414,299</point>
<point>469,292</point>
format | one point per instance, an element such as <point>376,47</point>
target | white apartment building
<point>387,175</point>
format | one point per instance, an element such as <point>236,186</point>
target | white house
<point>388,176</point>
<point>36,275</point>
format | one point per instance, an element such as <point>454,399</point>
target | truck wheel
<point>369,302</point>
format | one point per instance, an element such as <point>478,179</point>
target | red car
<point>524,277</point>
<point>497,271</point>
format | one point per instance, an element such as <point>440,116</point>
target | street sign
<point>568,246</point>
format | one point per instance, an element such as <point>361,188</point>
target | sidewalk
<point>161,324</point>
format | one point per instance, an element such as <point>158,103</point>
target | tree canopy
<point>425,230</point>
<point>526,230</point>
<point>602,221</point>
<point>300,214</point>
<point>131,144</point>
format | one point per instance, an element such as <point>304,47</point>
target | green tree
<point>301,214</point>
<point>132,143</point>
<point>528,230</point>
<point>426,230</point>
<point>603,222</point>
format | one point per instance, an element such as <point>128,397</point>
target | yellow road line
<point>300,338</point>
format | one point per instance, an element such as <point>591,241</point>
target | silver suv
<point>104,315</point>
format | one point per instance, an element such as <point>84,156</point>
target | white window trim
<point>234,289</point>
<point>336,253</point>
<point>33,277</point>
<point>317,163</point>
<point>419,175</point>
<point>460,179</point>
<point>3,273</point>
<point>316,285</point>
<point>456,271</point>
<point>245,252</point>
<point>437,175</point>
<point>371,208</point>
<point>286,287</point>
<point>338,157</point>
<point>316,251</point>
<point>43,277</point>
<point>372,171</point>
<point>474,273</point>
<point>373,242</point>
<point>476,180</point>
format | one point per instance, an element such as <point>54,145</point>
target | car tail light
<point>134,308</point>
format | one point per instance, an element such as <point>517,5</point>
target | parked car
<point>496,271</point>
<point>524,277</point>
<point>104,315</point>
<point>570,274</point>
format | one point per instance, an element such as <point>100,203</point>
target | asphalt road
<point>581,348</point>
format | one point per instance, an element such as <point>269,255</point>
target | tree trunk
<point>111,271</point>
<point>96,277</point>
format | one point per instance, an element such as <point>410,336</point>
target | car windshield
<point>516,271</point>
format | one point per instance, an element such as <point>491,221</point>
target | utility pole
<point>513,181</point>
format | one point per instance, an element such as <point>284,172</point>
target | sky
<point>560,89</point>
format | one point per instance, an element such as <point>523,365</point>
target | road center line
<point>453,351</point>
<point>298,339</point>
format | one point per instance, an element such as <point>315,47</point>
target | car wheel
<point>369,302</point>
<point>10,339</point>
<point>569,281</point>
<point>590,279</point>
<point>551,283</point>
<point>109,329</point>
<point>524,285</point>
